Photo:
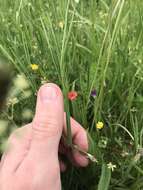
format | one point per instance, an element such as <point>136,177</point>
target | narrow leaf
<point>105,178</point>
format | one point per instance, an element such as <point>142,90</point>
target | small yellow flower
<point>61,25</point>
<point>99,125</point>
<point>34,67</point>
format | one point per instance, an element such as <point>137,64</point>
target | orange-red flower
<point>72,95</point>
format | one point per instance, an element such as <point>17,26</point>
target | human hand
<point>31,161</point>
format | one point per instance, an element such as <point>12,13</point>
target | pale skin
<point>31,161</point>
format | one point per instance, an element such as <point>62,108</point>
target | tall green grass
<point>99,47</point>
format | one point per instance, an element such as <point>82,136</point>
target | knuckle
<point>46,128</point>
<point>19,132</point>
<point>13,135</point>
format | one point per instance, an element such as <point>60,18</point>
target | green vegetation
<point>83,46</point>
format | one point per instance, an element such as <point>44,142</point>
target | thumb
<point>48,122</point>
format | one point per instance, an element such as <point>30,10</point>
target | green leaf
<point>105,178</point>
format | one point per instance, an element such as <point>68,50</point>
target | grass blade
<point>105,178</point>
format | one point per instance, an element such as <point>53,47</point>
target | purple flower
<point>93,93</point>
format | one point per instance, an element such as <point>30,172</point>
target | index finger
<point>79,137</point>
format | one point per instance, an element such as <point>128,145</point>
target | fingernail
<point>48,93</point>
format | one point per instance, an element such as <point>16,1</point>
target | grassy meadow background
<point>81,45</point>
